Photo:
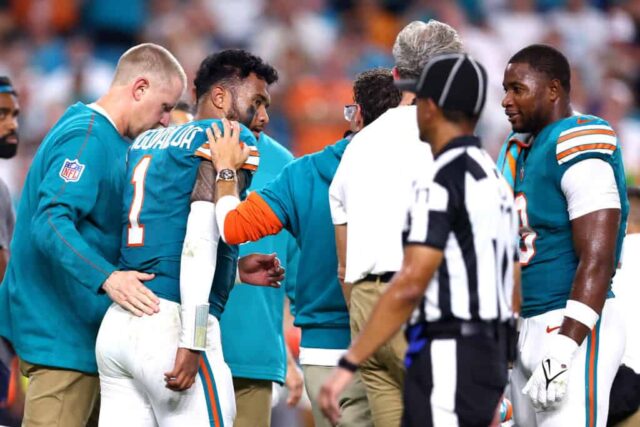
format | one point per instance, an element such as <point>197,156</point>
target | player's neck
<point>206,111</point>
<point>560,111</point>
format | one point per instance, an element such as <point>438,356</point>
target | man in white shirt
<point>373,230</point>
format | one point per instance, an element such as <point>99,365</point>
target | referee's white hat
<point>454,81</point>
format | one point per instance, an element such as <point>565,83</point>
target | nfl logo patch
<point>71,170</point>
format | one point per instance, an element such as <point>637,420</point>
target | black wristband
<point>345,364</point>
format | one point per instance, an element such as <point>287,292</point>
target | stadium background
<point>60,51</point>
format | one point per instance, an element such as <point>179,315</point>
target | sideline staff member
<point>458,267</point>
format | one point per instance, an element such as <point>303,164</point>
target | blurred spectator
<point>518,25</point>
<point>584,48</point>
<point>616,108</point>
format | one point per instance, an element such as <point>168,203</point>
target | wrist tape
<point>581,312</point>
<point>193,334</point>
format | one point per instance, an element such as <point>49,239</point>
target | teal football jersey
<point>162,165</point>
<point>547,254</point>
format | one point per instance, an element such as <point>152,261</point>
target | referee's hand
<point>126,289</point>
<point>331,391</point>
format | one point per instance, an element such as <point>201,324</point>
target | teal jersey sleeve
<point>293,257</point>
<point>584,137</point>
<point>68,193</point>
<point>278,194</point>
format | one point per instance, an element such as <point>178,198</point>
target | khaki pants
<point>253,402</point>
<point>354,406</point>
<point>382,373</point>
<point>60,398</point>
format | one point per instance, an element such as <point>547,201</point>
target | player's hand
<point>294,384</point>
<point>331,391</point>
<point>126,289</point>
<point>226,150</point>
<point>261,270</point>
<point>548,383</point>
<point>184,370</point>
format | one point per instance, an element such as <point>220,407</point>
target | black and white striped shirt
<point>467,212</point>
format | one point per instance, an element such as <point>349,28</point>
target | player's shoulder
<point>245,134</point>
<point>269,146</point>
<point>582,136</point>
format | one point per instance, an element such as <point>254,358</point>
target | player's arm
<point>254,218</point>
<point>594,209</point>
<point>197,269</point>
<point>62,204</point>
<point>593,204</point>
<point>594,238</point>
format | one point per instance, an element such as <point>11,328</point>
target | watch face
<point>227,175</point>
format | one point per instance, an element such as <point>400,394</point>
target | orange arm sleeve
<point>251,220</point>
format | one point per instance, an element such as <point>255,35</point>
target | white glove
<point>548,384</point>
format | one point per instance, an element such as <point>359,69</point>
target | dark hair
<point>375,92</point>
<point>547,60</point>
<point>229,65</point>
<point>6,81</point>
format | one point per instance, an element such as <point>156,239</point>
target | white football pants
<point>591,373</point>
<point>133,353</point>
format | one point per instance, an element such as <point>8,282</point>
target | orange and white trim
<point>582,139</point>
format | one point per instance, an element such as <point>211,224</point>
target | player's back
<point>162,166</point>
<point>547,251</point>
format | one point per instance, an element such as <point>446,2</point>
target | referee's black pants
<point>455,381</point>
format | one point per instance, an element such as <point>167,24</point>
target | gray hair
<point>148,58</point>
<point>418,42</point>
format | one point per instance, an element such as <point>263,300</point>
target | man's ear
<point>140,87</point>
<point>359,117</point>
<point>432,109</point>
<point>554,89</point>
<point>395,74</point>
<point>217,96</point>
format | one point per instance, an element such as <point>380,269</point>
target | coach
<point>458,270</point>
<point>65,249</point>
<point>369,203</point>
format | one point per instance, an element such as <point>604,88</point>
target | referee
<point>458,271</point>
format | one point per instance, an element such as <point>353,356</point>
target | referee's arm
<point>394,307</point>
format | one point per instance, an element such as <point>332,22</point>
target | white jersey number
<point>527,235</point>
<point>135,233</point>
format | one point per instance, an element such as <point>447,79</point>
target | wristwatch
<point>226,175</point>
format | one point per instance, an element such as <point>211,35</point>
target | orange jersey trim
<point>585,147</point>
<point>201,154</point>
<point>585,133</point>
<point>251,220</point>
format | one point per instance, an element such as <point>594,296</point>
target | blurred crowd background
<point>61,51</point>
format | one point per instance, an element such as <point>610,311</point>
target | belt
<point>384,277</point>
<point>463,328</point>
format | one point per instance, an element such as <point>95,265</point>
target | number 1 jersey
<point>162,166</point>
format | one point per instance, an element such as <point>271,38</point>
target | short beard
<point>8,149</point>
<point>234,111</point>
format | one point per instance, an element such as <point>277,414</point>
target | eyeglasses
<point>350,111</point>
